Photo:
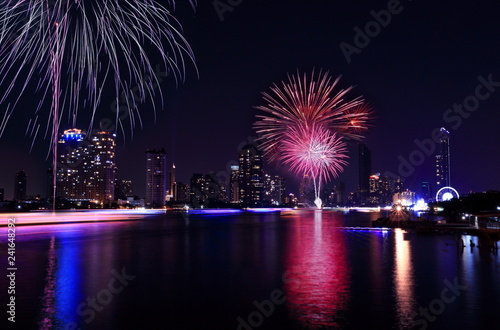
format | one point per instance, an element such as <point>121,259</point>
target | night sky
<point>427,59</point>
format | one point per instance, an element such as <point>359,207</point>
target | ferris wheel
<point>446,193</point>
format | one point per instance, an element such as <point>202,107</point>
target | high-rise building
<point>124,189</point>
<point>274,189</point>
<point>251,175</point>
<point>102,163</point>
<point>443,160</point>
<point>374,182</point>
<point>172,186</point>
<point>398,186</point>
<point>306,191</point>
<point>197,189</point>
<point>156,177</point>
<point>340,193</point>
<point>182,192</point>
<point>365,168</point>
<point>380,190</point>
<point>234,185</point>
<point>86,166</point>
<point>20,186</point>
<point>206,190</point>
<point>426,191</point>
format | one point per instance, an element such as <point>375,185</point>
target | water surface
<point>250,271</point>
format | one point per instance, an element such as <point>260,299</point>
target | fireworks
<point>70,48</point>
<point>314,150</point>
<point>305,124</point>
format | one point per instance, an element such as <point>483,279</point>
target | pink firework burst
<point>315,151</point>
<point>304,124</point>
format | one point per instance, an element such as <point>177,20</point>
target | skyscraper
<point>339,193</point>
<point>124,189</point>
<point>380,190</point>
<point>156,177</point>
<point>20,186</point>
<point>426,191</point>
<point>274,189</point>
<point>172,187</point>
<point>398,186</point>
<point>102,162</point>
<point>443,160</point>
<point>206,190</point>
<point>365,168</point>
<point>86,166</point>
<point>251,175</point>
<point>182,192</point>
<point>234,185</point>
<point>306,191</point>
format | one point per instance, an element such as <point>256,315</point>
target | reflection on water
<point>48,299</point>
<point>62,283</point>
<point>318,273</point>
<point>68,278</point>
<point>215,268</point>
<point>403,280</point>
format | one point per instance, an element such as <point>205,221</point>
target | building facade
<point>20,183</point>
<point>234,185</point>
<point>274,190</point>
<point>381,192</point>
<point>182,192</point>
<point>443,178</point>
<point>156,177</point>
<point>172,187</point>
<point>86,166</point>
<point>206,191</point>
<point>124,189</point>
<point>251,176</point>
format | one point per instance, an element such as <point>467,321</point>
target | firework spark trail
<point>97,41</point>
<point>315,151</point>
<point>304,125</point>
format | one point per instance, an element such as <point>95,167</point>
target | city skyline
<point>77,140</point>
<point>87,173</point>
<point>409,104</point>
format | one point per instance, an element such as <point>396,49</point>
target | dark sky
<point>427,58</point>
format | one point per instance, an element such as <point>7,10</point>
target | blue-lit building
<point>86,166</point>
